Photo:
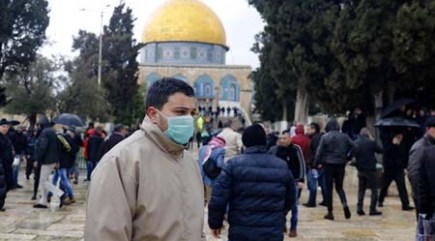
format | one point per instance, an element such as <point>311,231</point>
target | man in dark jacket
<point>292,154</point>
<point>118,134</point>
<point>7,153</point>
<point>332,155</point>
<point>395,162</point>
<point>94,144</point>
<point>426,187</point>
<point>66,161</point>
<point>19,141</point>
<point>416,158</point>
<point>258,189</point>
<point>366,166</point>
<point>314,175</point>
<point>47,155</point>
<point>6,159</point>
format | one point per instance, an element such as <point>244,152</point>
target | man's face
<point>431,132</point>
<point>123,132</point>
<point>4,129</point>
<point>311,131</point>
<point>284,140</point>
<point>178,105</point>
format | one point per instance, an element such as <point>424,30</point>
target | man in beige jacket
<point>233,141</point>
<point>148,188</point>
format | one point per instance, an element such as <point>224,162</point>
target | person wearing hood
<point>258,189</point>
<point>367,172</point>
<point>148,187</point>
<point>215,151</point>
<point>333,155</point>
<point>47,156</point>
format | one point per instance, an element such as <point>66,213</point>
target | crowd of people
<point>148,184</point>
<point>50,152</point>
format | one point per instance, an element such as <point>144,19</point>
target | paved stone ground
<point>22,222</point>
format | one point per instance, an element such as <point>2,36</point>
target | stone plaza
<point>22,222</point>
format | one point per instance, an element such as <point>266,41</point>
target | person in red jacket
<point>302,140</point>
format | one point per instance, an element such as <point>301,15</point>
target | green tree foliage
<point>32,92</point>
<point>120,65</point>
<point>343,52</point>
<point>81,94</point>
<point>22,32</point>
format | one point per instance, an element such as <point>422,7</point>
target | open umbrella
<point>68,119</point>
<point>397,122</point>
<point>396,105</point>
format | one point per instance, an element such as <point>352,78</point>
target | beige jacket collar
<point>160,139</point>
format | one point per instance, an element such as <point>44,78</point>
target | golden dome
<point>185,21</point>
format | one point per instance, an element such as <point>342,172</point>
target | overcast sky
<point>241,23</point>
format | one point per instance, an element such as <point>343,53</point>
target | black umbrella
<point>396,105</point>
<point>397,122</point>
<point>68,119</point>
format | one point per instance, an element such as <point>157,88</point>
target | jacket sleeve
<point>290,196</point>
<point>41,148</point>
<point>320,152</point>
<point>220,155</point>
<point>301,161</point>
<point>220,197</point>
<point>110,204</point>
<point>423,198</point>
<point>352,147</point>
<point>415,156</point>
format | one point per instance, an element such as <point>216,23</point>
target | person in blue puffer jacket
<point>258,189</point>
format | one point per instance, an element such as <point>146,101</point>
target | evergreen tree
<point>22,32</point>
<point>82,94</point>
<point>120,65</point>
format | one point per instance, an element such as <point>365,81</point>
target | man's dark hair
<point>315,126</point>
<point>285,132</point>
<point>160,91</point>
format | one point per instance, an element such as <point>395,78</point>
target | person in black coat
<point>118,134</point>
<point>292,155</point>
<point>7,153</point>
<point>332,155</point>
<point>19,141</point>
<point>94,144</point>
<point>367,172</point>
<point>314,176</point>
<point>258,189</point>
<point>395,161</point>
<point>6,159</point>
<point>47,156</point>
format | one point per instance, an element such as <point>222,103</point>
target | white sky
<point>241,23</point>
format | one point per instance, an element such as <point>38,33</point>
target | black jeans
<point>29,167</point>
<point>334,174</point>
<point>370,179</point>
<point>399,178</point>
<point>37,171</point>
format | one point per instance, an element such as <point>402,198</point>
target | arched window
<point>230,88</point>
<point>151,78</point>
<point>181,77</point>
<point>204,87</point>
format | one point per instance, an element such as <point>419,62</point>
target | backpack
<point>64,143</point>
<point>210,167</point>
